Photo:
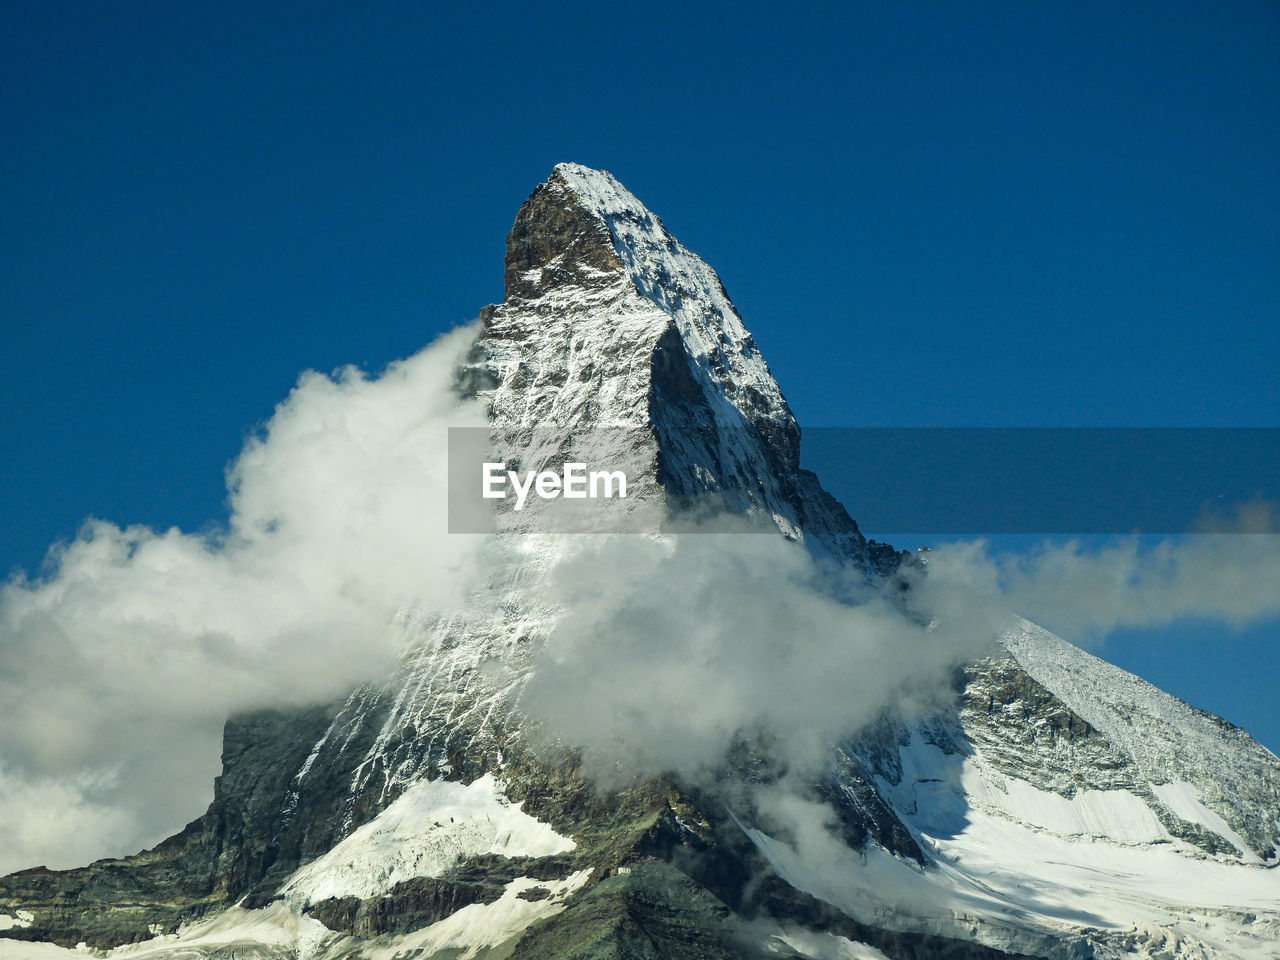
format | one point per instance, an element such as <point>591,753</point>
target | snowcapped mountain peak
<point>583,229</point>
<point>600,191</point>
<point>611,323</point>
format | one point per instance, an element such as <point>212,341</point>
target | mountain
<point>1051,806</point>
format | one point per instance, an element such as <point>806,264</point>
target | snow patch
<point>1184,800</point>
<point>423,833</point>
<point>812,945</point>
<point>275,927</point>
<point>1021,869</point>
<point>20,918</point>
<point>937,788</point>
<point>482,925</point>
<point>34,950</point>
<point>1115,815</point>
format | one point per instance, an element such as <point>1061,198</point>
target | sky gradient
<point>929,214</point>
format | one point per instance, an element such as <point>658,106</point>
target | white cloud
<point>120,667</point>
<point>672,648</point>
<point>1086,593</point>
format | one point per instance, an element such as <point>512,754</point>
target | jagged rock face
<point>1051,771</point>
<point>610,325</point>
<point>556,241</point>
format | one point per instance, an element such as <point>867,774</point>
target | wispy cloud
<point>1086,592</point>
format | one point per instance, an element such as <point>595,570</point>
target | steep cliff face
<point>1058,807</point>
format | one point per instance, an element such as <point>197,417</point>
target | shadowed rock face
<point>609,321</point>
<point>556,242</point>
<point>213,862</point>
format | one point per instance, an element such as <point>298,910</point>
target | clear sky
<point>941,214</point>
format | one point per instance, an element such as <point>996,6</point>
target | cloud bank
<point>673,649</point>
<point>121,665</point>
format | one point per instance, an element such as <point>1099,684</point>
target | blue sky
<point>929,214</point>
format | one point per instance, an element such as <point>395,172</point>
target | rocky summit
<point>1053,806</point>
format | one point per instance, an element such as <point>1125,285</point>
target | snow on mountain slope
<point>429,828</point>
<point>1068,802</point>
<point>1203,769</point>
<point>789,940</point>
<point>1004,882</point>
<point>272,933</point>
<point>479,926</point>
<point>282,932</point>
<point>688,291</point>
<point>612,328</point>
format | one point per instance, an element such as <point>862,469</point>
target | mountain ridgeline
<point>1055,807</point>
